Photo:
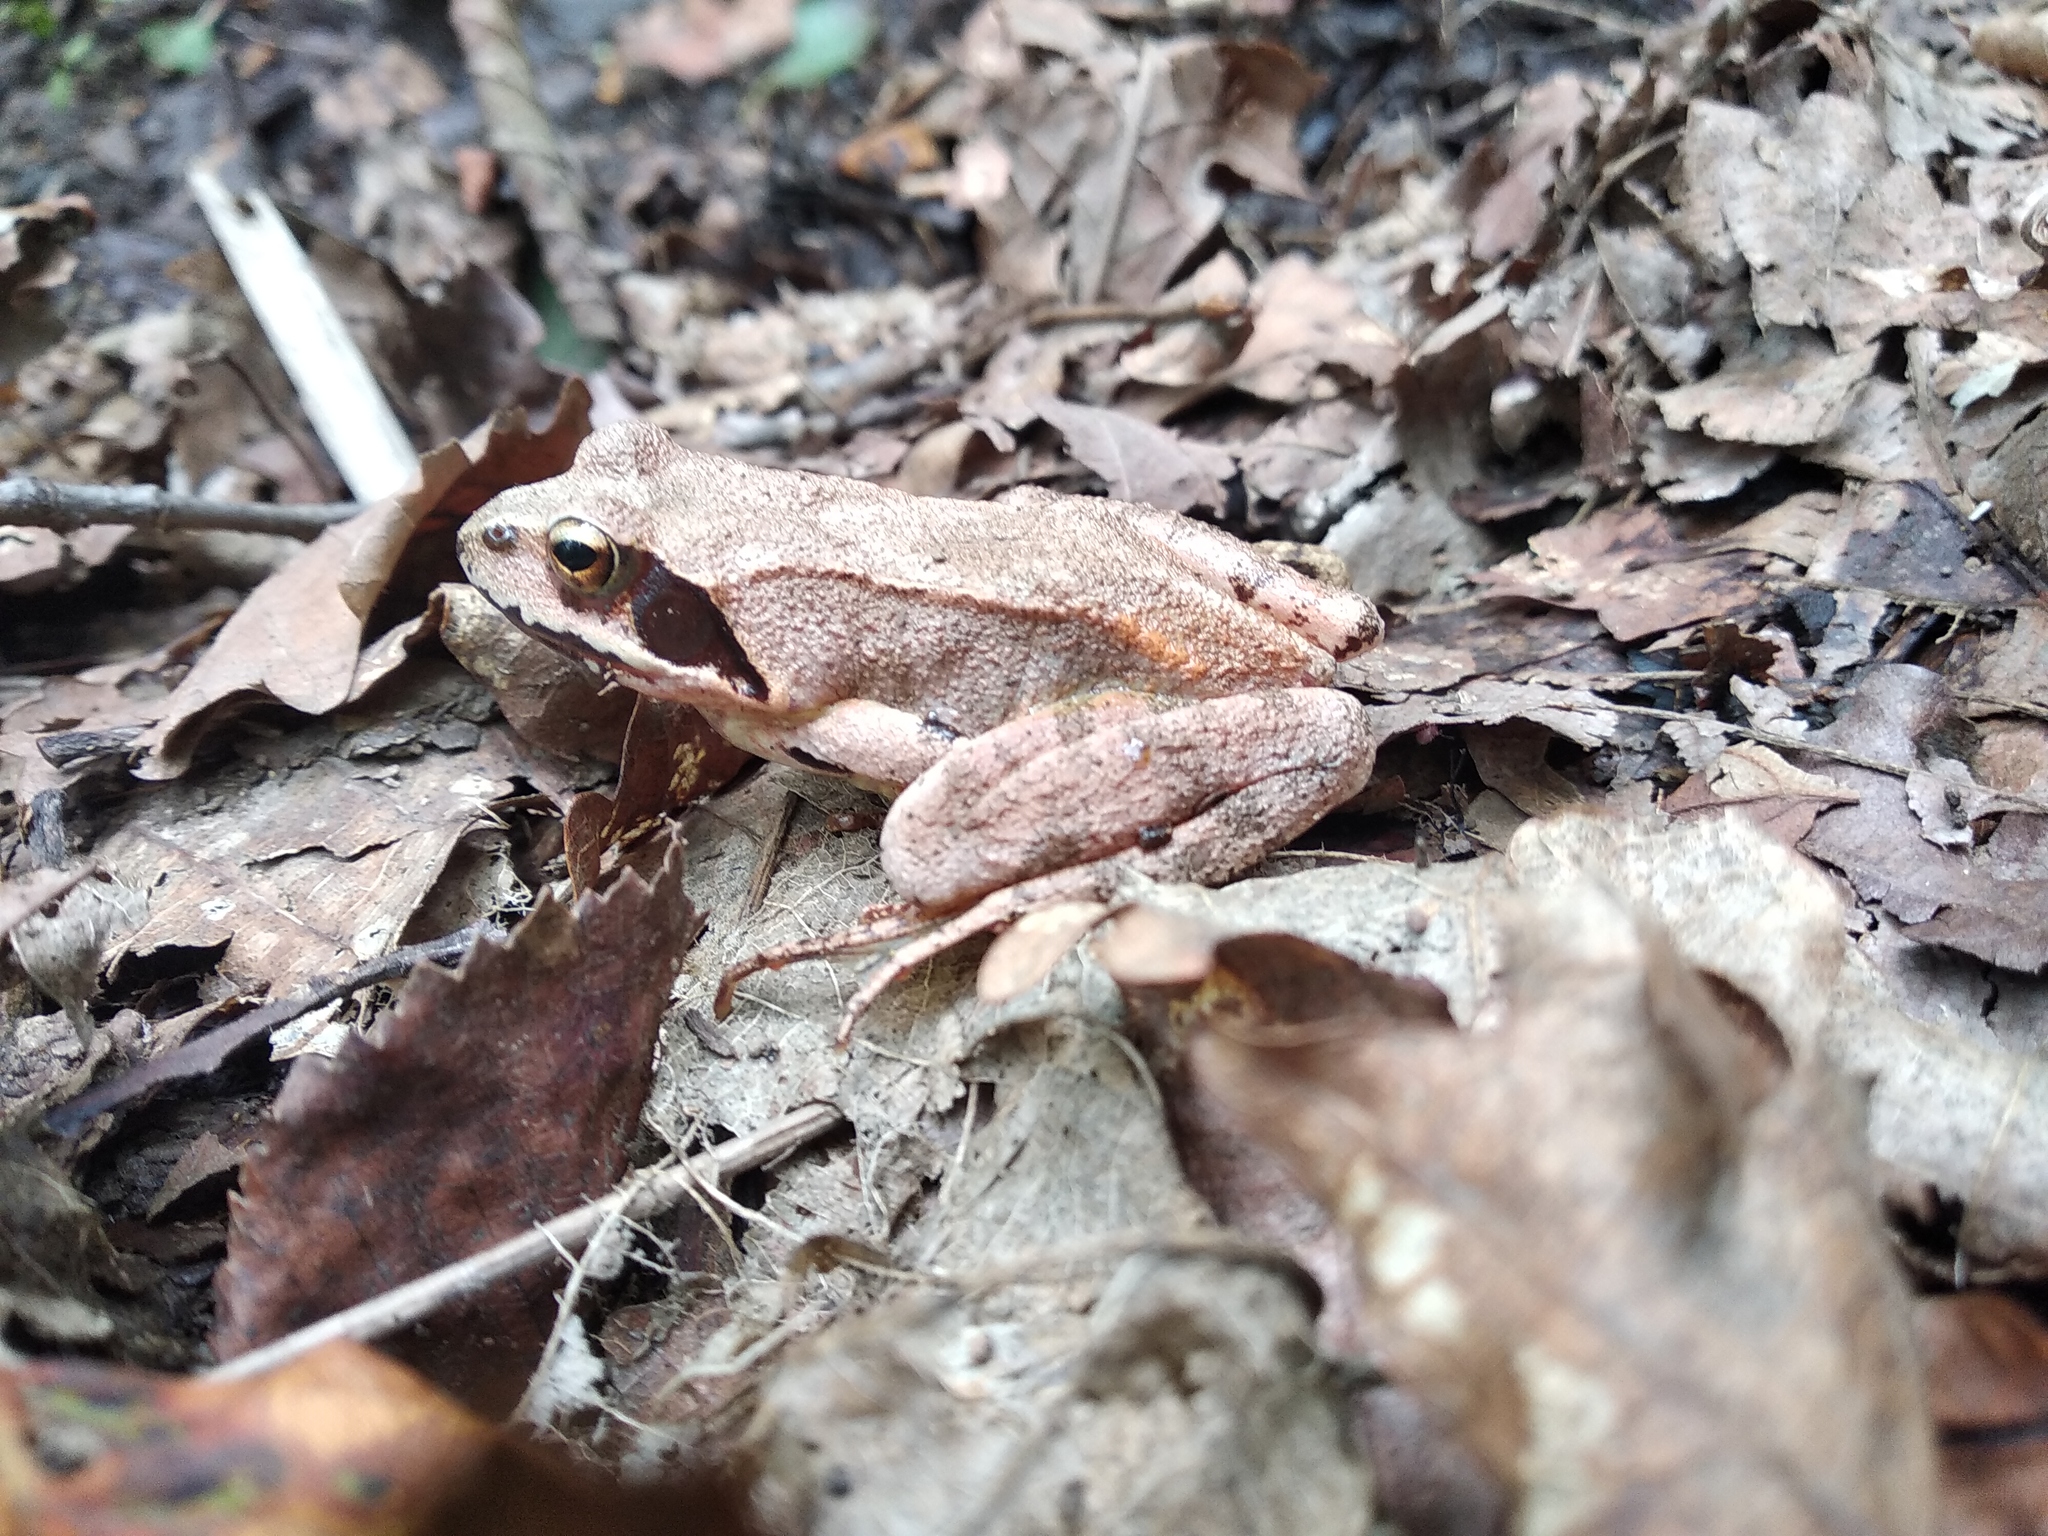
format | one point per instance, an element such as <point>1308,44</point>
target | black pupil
<point>575,555</point>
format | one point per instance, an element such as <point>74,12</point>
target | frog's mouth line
<point>665,684</point>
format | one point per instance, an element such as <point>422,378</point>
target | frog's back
<point>987,608</point>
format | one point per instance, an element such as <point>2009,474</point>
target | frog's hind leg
<point>1207,787</point>
<point>925,938</point>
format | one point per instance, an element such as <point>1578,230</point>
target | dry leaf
<point>1142,462</point>
<point>295,639</point>
<point>1626,1249</point>
<point>700,40</point>
<point>1633,569</point>
<point>35,240</point>
<point>2014,44</point>
<point>1791,389</point>
<point>1962,897</point>
<point>1512,211</point>
<point>1305,320</point>
<point>1987,1367</point>
<point>338,1443</point>
<point>488,1100</point>
<point>1836,232</point>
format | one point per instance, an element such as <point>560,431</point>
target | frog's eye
<point>584,557</point>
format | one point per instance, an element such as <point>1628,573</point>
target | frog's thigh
<point>1200,791</point>
<point>871,742</point>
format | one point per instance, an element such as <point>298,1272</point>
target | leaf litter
<point>1492,1158</point>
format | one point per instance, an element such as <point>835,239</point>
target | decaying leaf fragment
<point>340,1442</point>
<point>1174,1393</point>
<point>487,1100</point>
<point>1612,1233</point>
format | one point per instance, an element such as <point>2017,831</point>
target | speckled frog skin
<point>1046,683</point>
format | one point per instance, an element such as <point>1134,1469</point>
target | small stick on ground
<point>336,389</point>
<point>638,1198</point>
<point>524,139</point>
<point>198,1057</point>
<point>1095,266</point>
<point>30,503</point>
<point>769,856</point>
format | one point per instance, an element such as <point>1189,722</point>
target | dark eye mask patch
<point>679,623</point>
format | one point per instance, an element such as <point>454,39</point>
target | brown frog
<point>1052,687</point>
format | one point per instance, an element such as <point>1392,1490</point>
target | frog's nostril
<point>500,535</point>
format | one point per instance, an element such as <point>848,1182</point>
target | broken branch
<point>198,1057</point>
<point>30,503</point>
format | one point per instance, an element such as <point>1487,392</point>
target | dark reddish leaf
<point>488,1100</point>
<point>672,755</point>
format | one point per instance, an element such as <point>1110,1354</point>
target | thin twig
<point>1599,682</point>
<point>31,503</point>
<point>643,1195</point>
<point>2003,705</point>
<point>196,1058</point>
<point>1089,281</point>
<point>746,1359</point>
<point>1046,316</point>
<point>1798,744</point>
<point>770,854</point>
<point>565,1310</point>
<point>519,130</point>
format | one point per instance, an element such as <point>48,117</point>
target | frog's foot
<point>877,925</point>
<point>996,910</point>
<point>928,936</point>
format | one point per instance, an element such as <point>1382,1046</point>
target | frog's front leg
<point>1198,791</point>
<point>877,747</point>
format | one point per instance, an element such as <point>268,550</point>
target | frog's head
<point>586,561</point>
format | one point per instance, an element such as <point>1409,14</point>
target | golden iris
<point>585,557</point>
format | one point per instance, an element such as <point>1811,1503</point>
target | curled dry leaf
<point>487,1100</point>
<point>35,241</point>
<point>1989,901</point>
<point>1627,1248</point>
<point>1792,388</point>
<point>1024,954</point>
<point>1946,1113</point>
<point>338,1443</point>
<point>297,638</point>
<point>671,755</point>
<point>1782,799</point>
